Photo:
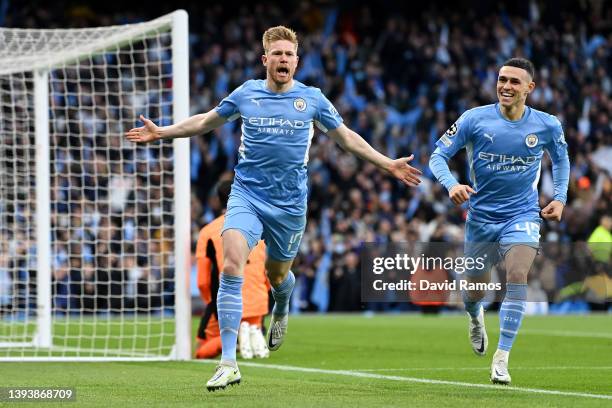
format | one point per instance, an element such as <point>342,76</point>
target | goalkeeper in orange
<point>209,255</point>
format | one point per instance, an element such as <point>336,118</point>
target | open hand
<point>150,132</point>
<point>404,172</point>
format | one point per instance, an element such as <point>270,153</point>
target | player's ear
<point>530,87</point>
<point>264,59</point>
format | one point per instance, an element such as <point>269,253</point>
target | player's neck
<point>278,88</point>
<point>512,113</point>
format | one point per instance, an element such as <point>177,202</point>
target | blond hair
<point>278,33</point>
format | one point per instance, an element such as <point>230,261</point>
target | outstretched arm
<point>194,125</point>
<point>399,168</point>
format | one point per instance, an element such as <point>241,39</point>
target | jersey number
<point>295,239</point>
<point>531,228</point>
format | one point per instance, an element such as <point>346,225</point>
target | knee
<point>517,274</point>
<point>275,277</point>
<point>232,266</point>
<point>277,271</point>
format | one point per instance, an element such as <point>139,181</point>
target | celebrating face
<point>280,61</point>
<point>513,86</point>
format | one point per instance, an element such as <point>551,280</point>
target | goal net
<point>94,230</point>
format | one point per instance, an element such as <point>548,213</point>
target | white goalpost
<point>94,230</point>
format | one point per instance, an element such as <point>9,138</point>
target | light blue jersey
<point>504,159</point>
<point>277,129</point>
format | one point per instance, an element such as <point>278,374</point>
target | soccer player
<point>505,143</point>
<point>268,197</point>
<point>209,256</point>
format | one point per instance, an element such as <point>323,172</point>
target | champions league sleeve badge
<point>452,131</point>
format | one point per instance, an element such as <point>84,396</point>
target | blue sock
<point>282,294</point>
<point>229,310</point>
<point>471,307</point>
<point>511,314</point>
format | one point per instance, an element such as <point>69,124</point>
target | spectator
<point>401,102</point>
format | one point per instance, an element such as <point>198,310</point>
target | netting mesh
<point>39,48</point>
<point>17,187</point>
<point>112,236</point>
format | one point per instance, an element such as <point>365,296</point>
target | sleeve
<point>327,117</point>
<point>228,107</point>
<point>456,137</point>
<point>439,167</point>
<point>557,149</point>
<point>204,266</point>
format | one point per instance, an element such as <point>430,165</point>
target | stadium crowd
<point>400,79</point>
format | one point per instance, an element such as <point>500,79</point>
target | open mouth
<point>282,71</point>
<point>506,94</point>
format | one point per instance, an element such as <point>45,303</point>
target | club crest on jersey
<point>299,104</point>
<point>452,131</point>
<point>531,140</point>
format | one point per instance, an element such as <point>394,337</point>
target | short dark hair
<point>224,187</point>
<point>522,63</point>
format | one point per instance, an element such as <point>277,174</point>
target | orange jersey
<point>209,255</point>
<point>429,297</point>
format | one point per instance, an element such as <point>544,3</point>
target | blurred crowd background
<point>400,75</point>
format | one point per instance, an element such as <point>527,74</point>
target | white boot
<point>244,341</point>
<point>258,343</point>
<point>499,368</point>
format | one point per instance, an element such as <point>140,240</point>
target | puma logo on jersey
<point>256,102</point>
<point>488,136</point>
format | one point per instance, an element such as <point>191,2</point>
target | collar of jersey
<point>264,86</point>
<point>526,114</point>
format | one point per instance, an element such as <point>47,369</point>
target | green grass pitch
<point>354,360</point>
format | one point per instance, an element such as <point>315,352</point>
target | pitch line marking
<point>482,368</point>
<point>118,352</point>
<point>359,374</point>
<point>566,333</point>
